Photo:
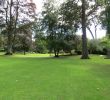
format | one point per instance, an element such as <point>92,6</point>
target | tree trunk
<point>9,45</point>
<point>16,19</point>
<point>56,53</point>
<point>9,30</point>
<point>108,53</point>
<point>96,32</point>
<point>108,26</point>
<point>91,32</point>
<point>24,48</point>
<point>84,38</point>
<point>24,52</point>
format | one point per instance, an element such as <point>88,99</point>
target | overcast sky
<point>39,4</point>
<point>100,32</point>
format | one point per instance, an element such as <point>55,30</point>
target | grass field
<point>46,78</point>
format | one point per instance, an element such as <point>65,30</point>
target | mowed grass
<point>48,78</point>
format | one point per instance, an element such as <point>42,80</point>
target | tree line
<point>54,29</point>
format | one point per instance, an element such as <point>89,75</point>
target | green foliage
<point>15,14</point>
<point>105,42</point>
<point>105,17</point>
<point>59,27</point>
<point>99,46</point>
<point>41,46</point>
<point>70,14</point>
<point>55,28</point>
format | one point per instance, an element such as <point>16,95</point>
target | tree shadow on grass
<point>38,57</point>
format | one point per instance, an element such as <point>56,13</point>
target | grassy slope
<point>54,79</point>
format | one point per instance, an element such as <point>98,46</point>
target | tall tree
<point>17,12</point>
<point>84,37</point>
<point>106,23</point>
<point>50,23</point>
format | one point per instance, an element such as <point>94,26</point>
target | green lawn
<point>46,78</point>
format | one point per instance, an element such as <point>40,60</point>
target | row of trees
<point>16,17</point>
<point>55,28</point>
<point>67,19</point>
